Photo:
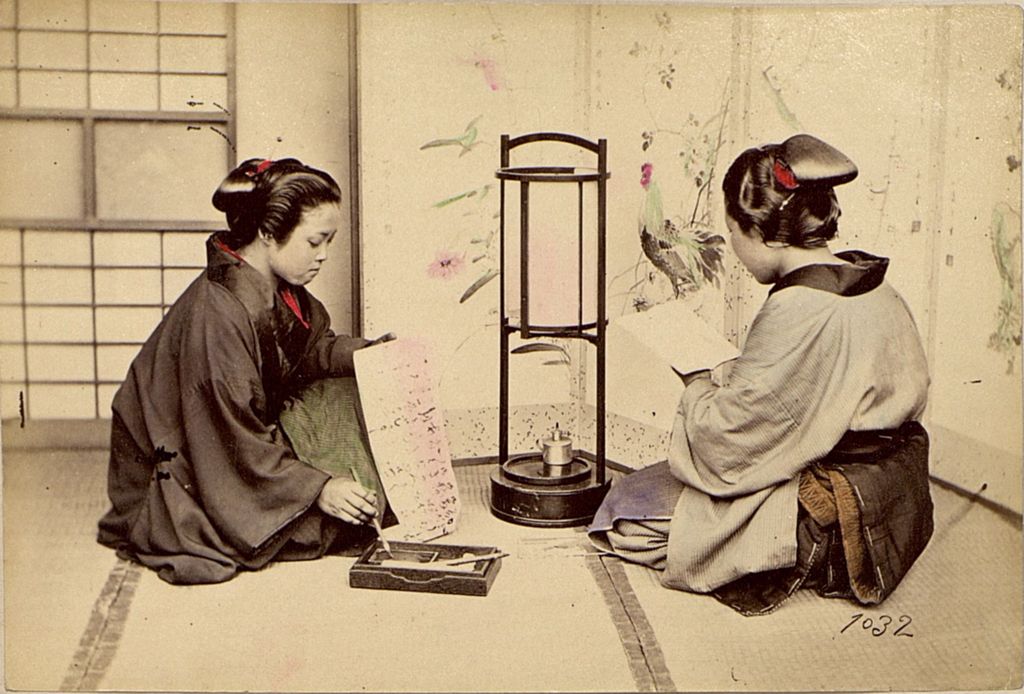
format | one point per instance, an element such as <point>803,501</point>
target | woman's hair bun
<point>269,196</point>
<point>786,190</point>
<point>235,191</point>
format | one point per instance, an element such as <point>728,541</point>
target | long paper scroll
<point>405,425</point>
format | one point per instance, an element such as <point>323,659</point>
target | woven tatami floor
<point>76,618</point>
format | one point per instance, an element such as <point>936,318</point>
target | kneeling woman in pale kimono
<point>202,480</point>
<point>805,466</point>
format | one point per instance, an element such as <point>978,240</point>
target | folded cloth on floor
<point>633,520</point>
<point>639,541</point>
<point>648,493</point>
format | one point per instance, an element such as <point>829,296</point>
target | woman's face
<point>298,260</point>
<point>758,258</point>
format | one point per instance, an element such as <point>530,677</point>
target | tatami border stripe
<point>103,633</point>
<point>646,661</point>
<point>648,640</point>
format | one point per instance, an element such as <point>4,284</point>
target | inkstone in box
<point>426,568</point>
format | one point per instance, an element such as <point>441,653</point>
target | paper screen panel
<point>157,170</point>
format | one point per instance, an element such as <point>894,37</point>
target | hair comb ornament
<point>807,161</point>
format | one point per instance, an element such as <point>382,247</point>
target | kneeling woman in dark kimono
<point>203,482</point>
<point>805,466</point>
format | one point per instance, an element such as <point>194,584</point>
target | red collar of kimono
<point>286,292</point>
<point>293,303</point>
<point>230,251</point>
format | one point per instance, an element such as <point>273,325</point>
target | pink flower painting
<point>490,70</point>
<point>446,264</point>
<point>645,174</point>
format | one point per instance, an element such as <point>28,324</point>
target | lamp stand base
<point>546,504</point>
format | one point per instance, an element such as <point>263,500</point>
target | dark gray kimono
<point>202,482</point>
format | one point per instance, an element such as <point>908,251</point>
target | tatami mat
<point>555,620</point>
<point>53,568</point>
<point>959,609</point>
<point>300,627</point>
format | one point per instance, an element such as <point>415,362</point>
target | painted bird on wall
<point>466,141</point>
<point>689,256</point>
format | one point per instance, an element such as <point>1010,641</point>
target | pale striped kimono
<point>816,364</point>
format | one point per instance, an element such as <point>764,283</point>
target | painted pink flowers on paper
<point>446,265</point>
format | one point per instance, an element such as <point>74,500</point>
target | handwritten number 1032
<point>881,624</point>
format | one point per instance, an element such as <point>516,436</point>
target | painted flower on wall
<point>646,171</point>
<point>478,253</point>
<point>446,265</point>
<point>490,71</point>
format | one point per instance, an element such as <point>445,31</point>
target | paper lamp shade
<point>559,292</point>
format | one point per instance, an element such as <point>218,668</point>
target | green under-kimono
<point>203,481</point>
<point>834,350</point>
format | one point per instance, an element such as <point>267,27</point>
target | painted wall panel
<point>862,80</point>
<point>976,276</point>
<point>433,108</point>
<point>661,94</point>
<point>977,352</point>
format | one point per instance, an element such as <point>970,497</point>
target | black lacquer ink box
<point>427,568</point>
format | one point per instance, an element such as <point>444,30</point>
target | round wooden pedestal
<point>526,492</point>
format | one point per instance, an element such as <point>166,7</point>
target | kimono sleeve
<point>249,481</point>
<point>327,354</point>
<point>780,407</point>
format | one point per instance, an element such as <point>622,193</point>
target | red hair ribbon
<point>260,168</point>
<point>784,175</point>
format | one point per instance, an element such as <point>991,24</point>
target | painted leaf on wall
<point>475,287</point>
